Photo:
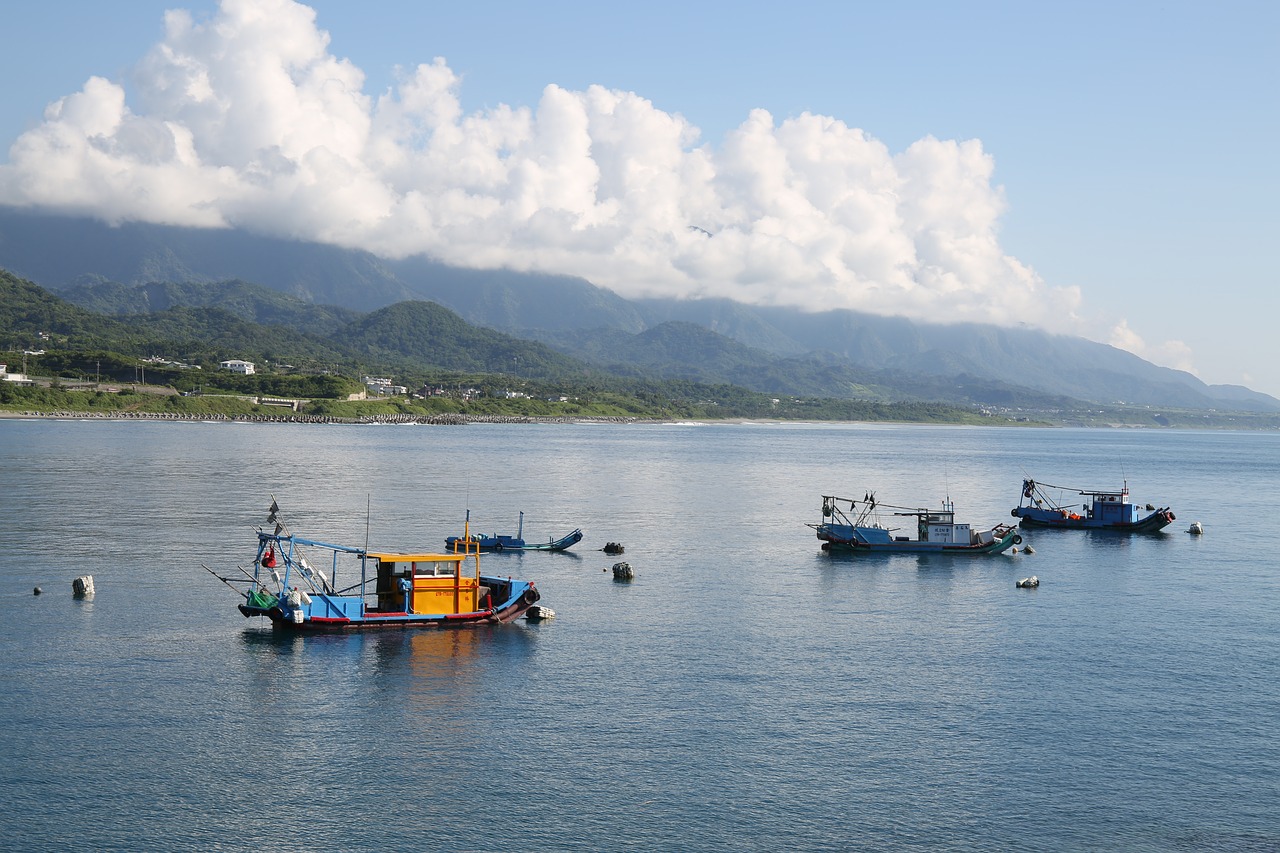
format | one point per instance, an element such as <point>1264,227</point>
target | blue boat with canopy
<point>1103,510</point>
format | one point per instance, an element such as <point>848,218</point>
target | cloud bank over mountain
<point>246,120</point>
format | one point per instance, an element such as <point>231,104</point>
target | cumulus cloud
<point>246,120</point>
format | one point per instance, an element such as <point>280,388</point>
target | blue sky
<point>1113,164</point>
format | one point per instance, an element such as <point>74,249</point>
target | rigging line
<point>220,577</point>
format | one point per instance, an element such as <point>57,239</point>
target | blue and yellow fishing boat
<point>856,526</point>
<point>1105,510</point>
<point>352,588</point>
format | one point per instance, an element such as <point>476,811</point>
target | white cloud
<point>247,120</point>
<point>1175,354</point>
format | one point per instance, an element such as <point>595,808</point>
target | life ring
<point>1017,540</point>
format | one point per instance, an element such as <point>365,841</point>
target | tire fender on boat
<point>1017,540</point>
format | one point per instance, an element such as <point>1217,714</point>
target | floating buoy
<point>82,587</point>
<point>38,590</point>
<point>623,572</point>
<point>1028,550</point>
<point>1195,529</point>
<point>537,613</point>
<point>1029,583</point>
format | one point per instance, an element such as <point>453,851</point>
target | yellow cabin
<point>430,583</point>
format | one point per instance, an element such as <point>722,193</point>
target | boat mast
<point>368,512</point>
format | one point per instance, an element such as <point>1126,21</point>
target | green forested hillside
<point>425,334</point>
<point>412,341</point>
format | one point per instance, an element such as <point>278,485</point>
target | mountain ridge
<point>77,256</point>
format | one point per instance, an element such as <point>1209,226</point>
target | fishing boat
<point>502,542</point>
<point>856,526</point>
<point>351,588</point>
<point>1104,510</point>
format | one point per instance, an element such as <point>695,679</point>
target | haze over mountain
<point>135,268</point>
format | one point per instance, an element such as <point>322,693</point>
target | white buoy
<point>1195,529</point>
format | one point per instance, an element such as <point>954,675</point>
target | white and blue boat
<point>860,527</point>
<point>306,585</point>
<point>1103,510</point>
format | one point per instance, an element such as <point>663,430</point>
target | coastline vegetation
<point>231,395</point>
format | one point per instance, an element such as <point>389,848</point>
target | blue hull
<point>1034,517</point>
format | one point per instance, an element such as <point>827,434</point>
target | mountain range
<point>139,269</point>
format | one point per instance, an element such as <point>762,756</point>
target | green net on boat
<point>263,599</point>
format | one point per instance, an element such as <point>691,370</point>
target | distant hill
<point>411,336</point>
<point>1057,365</point>
<point>61,252</point>
<point>97,265</point>
<point>424,333</point>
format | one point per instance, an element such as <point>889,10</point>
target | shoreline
<point>447,419</point>
<point>450,419</point>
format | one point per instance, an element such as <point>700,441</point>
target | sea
<point>745,691</point>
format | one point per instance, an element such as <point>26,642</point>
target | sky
<point>1096,169</point>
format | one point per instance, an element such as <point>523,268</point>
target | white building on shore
<point>235,365</point>
<point>6,376</point>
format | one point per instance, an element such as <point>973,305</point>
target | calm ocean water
<point>745,692</point>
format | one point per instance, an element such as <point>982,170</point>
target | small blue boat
<point>1105,510</point>
<point>501,542</point>
<point>352,588</point>
<point>855,526</point>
